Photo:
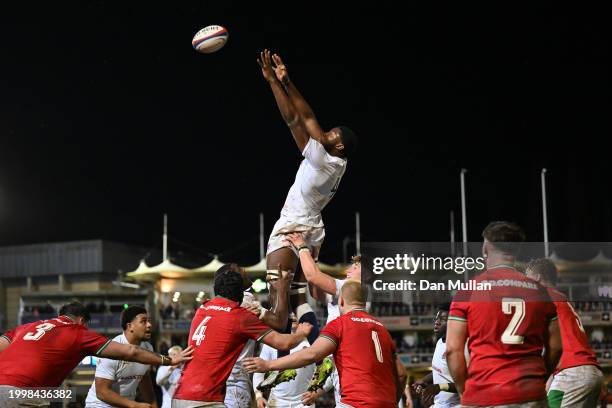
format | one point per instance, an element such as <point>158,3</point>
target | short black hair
<point>545,268</point>
<point>444,307</point>
<point>128,315</point>
<point>75,309</point>
<point>349,140</point>
<point>505,236</point>
<point>228,282</point>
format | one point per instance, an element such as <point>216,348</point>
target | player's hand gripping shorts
<point>313,236</point>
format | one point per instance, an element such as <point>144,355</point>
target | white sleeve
<point>329,383</point>
<point>316,154</point>
<point>266,353</point>
<point>107,368</point>
<point>339,284</point>
<point>162,372</point>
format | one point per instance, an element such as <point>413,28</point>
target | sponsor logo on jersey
<point>219,308</point>
<point>512,282</point>
<point>365,320</point>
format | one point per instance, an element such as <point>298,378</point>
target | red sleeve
<point>332,331</point>
<point>9,335</point>
<point>459,311</point>
<point>252,327</point>
<point>93,343</point>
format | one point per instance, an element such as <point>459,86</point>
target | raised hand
<point>280,69</point>
<point>265,62</point>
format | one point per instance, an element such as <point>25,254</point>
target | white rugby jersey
<point>126,376</point>
<point>287,394</point>
<point>315,184</point>
<point>441,375</point>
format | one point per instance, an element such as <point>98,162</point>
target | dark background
<point>108,119</point>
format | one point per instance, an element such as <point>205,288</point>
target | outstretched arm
<point>313,274</point>
<point>287,341</point>
<point>131,352</point>
<point>286,108</point>
<point>304,110</point>
<point>319,350</point>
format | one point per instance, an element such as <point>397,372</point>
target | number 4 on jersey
<point>198,334</point>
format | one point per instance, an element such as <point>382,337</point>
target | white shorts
<point>313,236</point>
<point>236,397</point>
<point>575,387</point>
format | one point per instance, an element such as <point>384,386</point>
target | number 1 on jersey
<point>198,333</point>
<point>376,340</point>
<point>509,336</point>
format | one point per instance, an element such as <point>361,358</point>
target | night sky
<point>108,119</point>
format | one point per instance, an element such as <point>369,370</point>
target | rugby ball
<point>210,39</point>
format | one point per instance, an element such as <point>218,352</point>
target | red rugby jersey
<point>576,348</point>
<point>219,331</point>
<point>43,353</point>
<point>365,359</point>
<point>506,329</point>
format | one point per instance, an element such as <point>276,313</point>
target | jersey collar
<point>500,266</point>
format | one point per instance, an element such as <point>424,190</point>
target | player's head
<point>76,311</point>
<point>352,296</point>
<point>229,282</point>
<point>542,270</point>
<point>175,351</point>
<point>440,321</point>
<point>340,140</point>
<point>502,240</point>
<point>135,321</point>
<point>246,281</point>
<point>353,272</point>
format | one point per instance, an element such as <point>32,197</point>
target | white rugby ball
<point>210,39</point>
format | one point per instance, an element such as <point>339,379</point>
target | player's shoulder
<point>146,345</point>
<point>556,296</point>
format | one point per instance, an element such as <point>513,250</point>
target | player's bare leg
<point>283,259</point>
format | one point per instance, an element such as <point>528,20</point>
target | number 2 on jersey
<point>198,333</point>
<point>509,336</point>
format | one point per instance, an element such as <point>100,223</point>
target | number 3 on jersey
<point>198,334</point>
<point>41,330</point>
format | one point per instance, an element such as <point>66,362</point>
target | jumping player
<point>325,160</point>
